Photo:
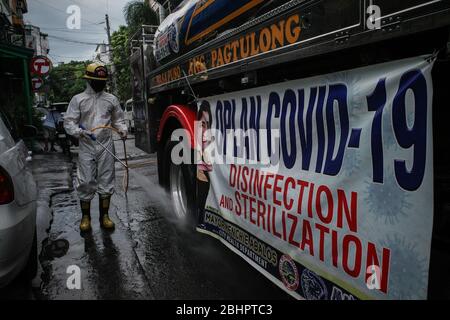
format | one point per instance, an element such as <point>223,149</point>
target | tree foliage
<point>121,50</point>
<point>66,81</point>
<point>138,13</point>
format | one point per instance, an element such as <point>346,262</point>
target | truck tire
<point>180,184</point>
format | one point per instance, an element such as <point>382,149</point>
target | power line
<point>57,9</point>
<point>72,32</point>
<point>66,57</point>
<point>70,45</point>
<point>65,28</point>
<point>102,13</point>
<point>84,5</point>
<point>74,41</point>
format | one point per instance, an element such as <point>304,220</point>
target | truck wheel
<point>181,187</point>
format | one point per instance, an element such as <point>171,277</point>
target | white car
<point>18,194</point>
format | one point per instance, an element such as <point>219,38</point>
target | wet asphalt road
<point>146,257</point>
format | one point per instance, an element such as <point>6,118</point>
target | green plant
<point>66,81</point>
<point>138,13</point>
<point>120,48</point>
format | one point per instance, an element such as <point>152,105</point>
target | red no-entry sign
<point>37,83</point>
<point>41,65</point>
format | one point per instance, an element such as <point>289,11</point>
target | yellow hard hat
<point>96,71</point>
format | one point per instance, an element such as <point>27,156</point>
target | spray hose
<point>126,177</point>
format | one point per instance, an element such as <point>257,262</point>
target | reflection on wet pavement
<point>146,257</point>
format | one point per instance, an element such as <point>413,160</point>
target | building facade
<point>16,98</point>
<point>14,10</point>
<point>36,40</point>
<point>11,21</point>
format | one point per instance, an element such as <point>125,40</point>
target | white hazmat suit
<point>96,170</point>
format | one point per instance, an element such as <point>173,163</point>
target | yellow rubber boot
<point>105,220</point>
<point>107,223</point>
<point>85,224</point>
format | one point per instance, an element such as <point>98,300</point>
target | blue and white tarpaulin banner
<point>325,184</point>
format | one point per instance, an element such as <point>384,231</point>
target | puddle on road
<point>55,249</point>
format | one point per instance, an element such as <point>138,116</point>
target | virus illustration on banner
<point>385,202</point>
<point>389,140</point>
<point>356,103</point>
<point>408,274</point>
<point>357,107</point>
<point>388,135</point>
<point>352,163</point>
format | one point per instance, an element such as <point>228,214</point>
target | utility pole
<point>110,53</point>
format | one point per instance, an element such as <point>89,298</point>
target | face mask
<point>97,85</point>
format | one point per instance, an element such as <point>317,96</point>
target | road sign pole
<point>26,89</point>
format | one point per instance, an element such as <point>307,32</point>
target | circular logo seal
<point>288,272</point>
<point>173,38</point>
<point>313,286</point>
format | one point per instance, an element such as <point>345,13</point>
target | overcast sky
<point>51,17</point>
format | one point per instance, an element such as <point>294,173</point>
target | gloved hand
<point>123,134</point>
<point>86,134</point>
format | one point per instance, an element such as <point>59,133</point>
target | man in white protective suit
<point>92,109</point>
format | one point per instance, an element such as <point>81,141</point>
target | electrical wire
<point>72,32</point>
<point>78,58</point>
<point>107,10</point>
<point>74,41</point>
<point>57,9</point>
